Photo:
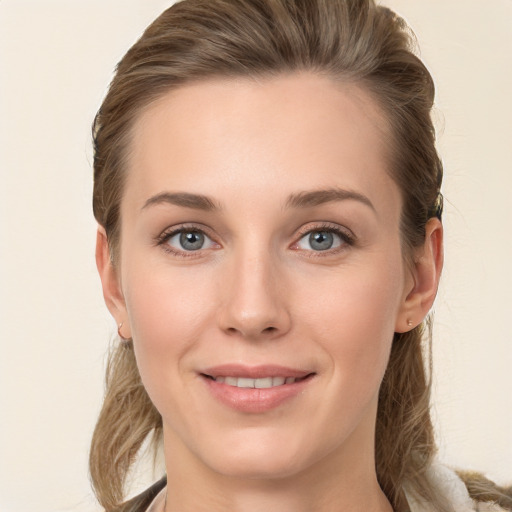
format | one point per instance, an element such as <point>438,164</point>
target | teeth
<point>245,383</point>
<point>263,383</point>
<point>267,382</point>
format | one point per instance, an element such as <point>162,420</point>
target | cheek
<point>167,311</point>
<point>354,321</point>
<point>163,299</point>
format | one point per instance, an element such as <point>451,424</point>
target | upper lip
<point>254,372</point>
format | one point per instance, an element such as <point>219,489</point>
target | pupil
<point>192,240</point>
<point>321,240</point>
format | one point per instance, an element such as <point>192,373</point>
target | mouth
<point>258,389</point>
<point>260,383</point>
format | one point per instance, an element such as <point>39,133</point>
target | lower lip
<point>253,400</point>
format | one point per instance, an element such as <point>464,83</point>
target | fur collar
<point>453,488</point>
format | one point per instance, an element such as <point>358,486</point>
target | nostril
<point>249,333</point>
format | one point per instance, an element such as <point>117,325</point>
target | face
<point>261,274</point>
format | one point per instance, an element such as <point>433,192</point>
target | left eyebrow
<point>317,197</point>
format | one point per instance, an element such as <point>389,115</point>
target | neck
<point>341,481</point>
<point>265,496</point>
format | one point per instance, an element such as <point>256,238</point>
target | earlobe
<point>425,274</point>
<point>110,283</point>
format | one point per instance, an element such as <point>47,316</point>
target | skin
<point>259,293</point>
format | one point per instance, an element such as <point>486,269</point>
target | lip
<point>254,400</point>
<point>254,372</point>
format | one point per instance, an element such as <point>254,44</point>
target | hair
<point>354,41</point>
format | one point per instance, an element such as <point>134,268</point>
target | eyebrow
<point>299,200</point>
<point>185,199</point>
<point>318,197</point>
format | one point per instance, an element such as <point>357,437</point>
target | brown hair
<point>351,40</point>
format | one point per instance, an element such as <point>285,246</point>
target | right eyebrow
<point>185,199</point>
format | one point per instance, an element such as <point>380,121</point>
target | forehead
<point>301,130</point>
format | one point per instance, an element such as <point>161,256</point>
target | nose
<point>254,304</point>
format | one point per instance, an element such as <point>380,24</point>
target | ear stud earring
<point>409,323</point>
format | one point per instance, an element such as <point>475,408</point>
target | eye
<point>319,240</point>
<point>188,240</point>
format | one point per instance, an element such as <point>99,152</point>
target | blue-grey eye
<point>320,241</point>
<point>190,240</point>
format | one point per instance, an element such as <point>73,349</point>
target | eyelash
<point>347,239</point>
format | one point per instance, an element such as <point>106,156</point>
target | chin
<point>258,468</point>
<point>260,458</point>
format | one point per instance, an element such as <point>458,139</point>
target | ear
<point>110,282</point>
<point>423,280</point>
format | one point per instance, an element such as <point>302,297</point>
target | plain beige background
<point>56,58</point>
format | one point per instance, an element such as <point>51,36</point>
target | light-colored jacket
<point>453,488</point>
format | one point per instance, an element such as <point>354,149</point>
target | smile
<point>262,383</point>
<point>255,389</point>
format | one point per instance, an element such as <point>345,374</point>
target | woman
<point>270,244</point>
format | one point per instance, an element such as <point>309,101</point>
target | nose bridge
<point>254,305</point>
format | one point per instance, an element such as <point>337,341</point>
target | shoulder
<point>141,502</point>
<point>456,491</point>
<point>487,493</point>
<point>489,507</point>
